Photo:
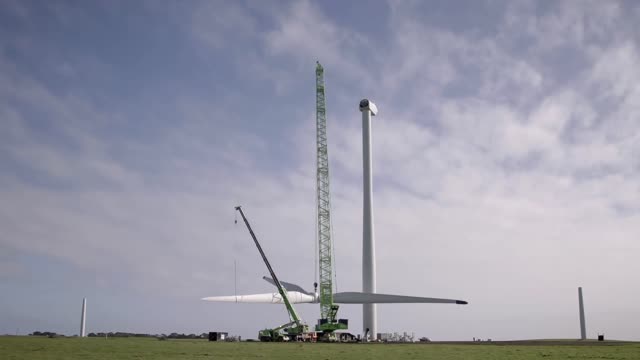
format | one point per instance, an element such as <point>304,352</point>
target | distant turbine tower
<point>83,318</point>
<point>369,318</point>
<point>583,327</point>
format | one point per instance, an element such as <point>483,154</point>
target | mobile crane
<point>295,329</point>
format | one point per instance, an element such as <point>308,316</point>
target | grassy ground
<point>130,348</point>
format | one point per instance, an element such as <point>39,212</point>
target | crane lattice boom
<point>328,309</point>
<point>323,200</point>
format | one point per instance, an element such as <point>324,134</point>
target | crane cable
<point>333,255</point>
<point>316,279</point>
<point>235,270</point>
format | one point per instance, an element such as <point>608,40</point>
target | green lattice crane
<point>328,310</point>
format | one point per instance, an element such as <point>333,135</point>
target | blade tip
<point>461,302</point>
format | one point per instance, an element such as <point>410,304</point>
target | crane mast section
<point>323,202</point>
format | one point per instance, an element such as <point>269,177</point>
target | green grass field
<point>143,348</point>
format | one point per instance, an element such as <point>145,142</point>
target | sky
<point>505,156</point>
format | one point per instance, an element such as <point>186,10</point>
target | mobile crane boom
<point>300,327</point>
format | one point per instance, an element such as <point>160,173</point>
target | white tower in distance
<point>369,318</point>
<point>583,326</point>
<point>83,318</point>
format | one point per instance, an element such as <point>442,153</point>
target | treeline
<point>44,333</point>
<point>127,334</point>
<point>169,336</point>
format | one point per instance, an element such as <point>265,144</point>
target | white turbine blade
<point>295,297</point>
<point>369,298</point>
<point>287,286</point>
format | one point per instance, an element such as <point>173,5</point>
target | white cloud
<point>616,70</point>
<point>581,24</point>
<point>222,24</point>
<point>305,33</point>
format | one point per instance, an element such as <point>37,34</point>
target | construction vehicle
<point>295,329</point>
<point>328,322</point>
